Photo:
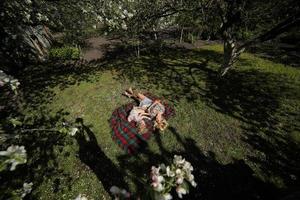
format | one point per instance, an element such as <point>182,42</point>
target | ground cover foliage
<point>239,133</point>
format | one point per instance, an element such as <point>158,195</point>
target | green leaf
<point>185,185</point>
<point>63,130</point>
<point>15,122</point>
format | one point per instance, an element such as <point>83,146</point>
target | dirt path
<point>97,48</point>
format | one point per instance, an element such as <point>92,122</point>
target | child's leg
<point>136,95</point>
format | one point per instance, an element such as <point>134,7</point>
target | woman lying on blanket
<point>147,109</point>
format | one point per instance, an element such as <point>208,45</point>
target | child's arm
<point>145,117</point>
<point>158,117</point>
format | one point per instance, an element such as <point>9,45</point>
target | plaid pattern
<point>126,133</point>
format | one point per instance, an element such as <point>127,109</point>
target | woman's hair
<point>162,125</point>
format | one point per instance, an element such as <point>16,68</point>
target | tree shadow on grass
<point>38,81</point>
<point>174,71</point>
<point>215,180</point>
<point>254,97</point>
<point>251,96</point>
<point>230,181</point>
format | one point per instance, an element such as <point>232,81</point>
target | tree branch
<point>280,28</point>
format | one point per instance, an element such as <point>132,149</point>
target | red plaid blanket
<point>126,133</point>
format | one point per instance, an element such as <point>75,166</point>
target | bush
<point>65,53</point>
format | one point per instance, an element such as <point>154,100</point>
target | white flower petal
<point>115,190</point>
<point>167,196</point>
<point>180,191</point>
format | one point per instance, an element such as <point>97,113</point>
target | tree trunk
<point>138,49</point>
<point>231,53</point>
<point>39,39</point>
<point>181,36</point>
<point>192,38</point>
<point>155,34</point>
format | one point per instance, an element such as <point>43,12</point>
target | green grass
<point>251,115</point>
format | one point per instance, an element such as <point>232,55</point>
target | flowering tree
<point>261,21</point>
<point>178,175</point>
<point>233,20</point>
<point>6,79</point>
<point>137,21</point>
<point>24,32</point>
<point>17,17</point>
<point>13,156</point>
<point>9,160</point>
<point>163,181</point>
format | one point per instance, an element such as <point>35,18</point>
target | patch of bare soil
<point>97,48</point>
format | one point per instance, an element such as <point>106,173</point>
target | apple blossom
<point>180,191</point>
<point>169,172</point>
<point>167,196</point>
<point>15,155</point>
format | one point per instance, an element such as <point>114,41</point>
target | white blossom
<point>194,184</point>
<point>160,179</point>
<point>81,197</point>
<point>116,191</point>
<point>73,131</point>
<point>124,26</point>
<point>187,166</point>
<point>27,187</point>
<point>163,181</point>
<point>99,18</point>
<point>169,172</point>
<point>178,160</point>
<point>123,16</point>
<point>191,177</point>
<point>15,155</point>
<point>6,80</point>
<point>130,15</point>
<point>179,172</point>
<point>167,196</point>
<point>39,16</point>
<point>158,186</point>
<point>155,170</point>
<point>28,1</point>
<point>179,180</point>
<point>180,191</point>
<point>125,12</point>
<point>14,83</point>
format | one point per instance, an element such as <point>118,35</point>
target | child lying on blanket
<point>147,109</point>
<point>138,115</point>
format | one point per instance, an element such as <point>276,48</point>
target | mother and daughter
<point>146,110</point>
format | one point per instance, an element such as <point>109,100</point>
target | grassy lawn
<point>240,132</point>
